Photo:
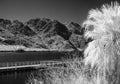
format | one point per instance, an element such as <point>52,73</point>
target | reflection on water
<point>22,76</point>
<point>16,77</point>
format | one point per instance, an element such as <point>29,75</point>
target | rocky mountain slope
<point>41,33</point>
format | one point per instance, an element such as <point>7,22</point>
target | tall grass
<point>101,63</point>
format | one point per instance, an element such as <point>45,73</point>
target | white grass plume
<point>103,53</point>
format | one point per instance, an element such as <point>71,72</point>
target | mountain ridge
<point>41,33</point>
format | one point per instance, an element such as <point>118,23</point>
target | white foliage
<point>103,26</point>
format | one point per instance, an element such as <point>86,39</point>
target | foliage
<point>102,54</point>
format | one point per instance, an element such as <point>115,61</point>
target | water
<point>30,56</point>
<point>15,77</point>
<point>21,76</point>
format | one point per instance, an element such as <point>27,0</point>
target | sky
<point>63,10</point>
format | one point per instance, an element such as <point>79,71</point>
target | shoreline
<point>18,48</point>
<point>38,50</point>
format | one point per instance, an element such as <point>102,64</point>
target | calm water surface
<point>30,56</point>
<point>21,76</point>
<point>15,77</point>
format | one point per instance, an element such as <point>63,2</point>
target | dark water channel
<point>20,76</point>
<point>15,76</point>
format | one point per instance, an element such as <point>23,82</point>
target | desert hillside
<point>41,33</point>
